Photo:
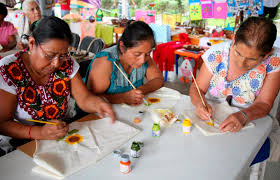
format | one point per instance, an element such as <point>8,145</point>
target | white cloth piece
<point>168,99</point>
<point>221,112</point>
<point>60,159</point>
<point>270,3</point>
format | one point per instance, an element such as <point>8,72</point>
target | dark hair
<point>134,33</point>
<point>258,32</point>
<point>3,9</point>
<point>49,28</point>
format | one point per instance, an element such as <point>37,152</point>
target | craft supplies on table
<point>156,130</point>
<point>125,164</point>
<point>186,125</point>
<point>164,117</point>
<point>135,150</point>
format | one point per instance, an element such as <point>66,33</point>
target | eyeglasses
<point>53,57</point>
<point>248,58</point>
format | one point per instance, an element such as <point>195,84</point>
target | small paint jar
<point>186,126</point>
<point>135,150</point>
<point>125,164</point>
<point>156,130</point>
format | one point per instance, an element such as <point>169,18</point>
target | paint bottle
<point>186,126</point>
<point>156,130</point>
<point>125,166</point>
<point>135,150</point>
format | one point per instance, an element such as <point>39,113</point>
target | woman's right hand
<point>53,132</point>
<point>202,112</point>
<point>133,97</point>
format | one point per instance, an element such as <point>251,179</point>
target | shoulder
<point>8,24</point>
<point>9,59</point>
<point>272,63</point>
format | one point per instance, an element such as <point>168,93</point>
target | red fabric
<point>163,55</point>
<point>66,6</point>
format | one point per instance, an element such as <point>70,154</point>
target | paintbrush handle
<point>44,122</point>
<point>124,75</point>
<point>204,104</point>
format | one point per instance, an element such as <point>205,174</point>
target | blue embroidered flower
<point>269,68</point>
<point>211,57</point>
<point>254,83</point>
<point>220,67</point>
<point>236,91</point>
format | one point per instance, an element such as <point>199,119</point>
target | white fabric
<point>23,26</point>
<point>168,98</point>
<point>221,112</point>
<point>270,3</point>
<point>101,137</point>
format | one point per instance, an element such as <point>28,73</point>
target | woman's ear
<point>31,43</point>
<point>233,39</point>
<point>122,47</point>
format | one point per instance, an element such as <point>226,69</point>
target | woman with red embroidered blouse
<point>37,85</point>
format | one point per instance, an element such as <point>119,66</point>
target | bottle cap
<point>187,122</point>
<point>125,158</point>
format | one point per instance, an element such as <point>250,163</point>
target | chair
<point>257,170</point>
<point>75,41</point>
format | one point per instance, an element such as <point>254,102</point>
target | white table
<point>171,156</point>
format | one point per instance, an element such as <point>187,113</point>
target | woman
<point>132,55</point>
<point>7,31</point>
<point>245,71</point>
<point>37,85</point>
<point>31,13</point>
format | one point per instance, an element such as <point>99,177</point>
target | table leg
<point>177,58</point>
<point>117,37</point>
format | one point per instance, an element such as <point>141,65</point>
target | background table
<point>171,156</point>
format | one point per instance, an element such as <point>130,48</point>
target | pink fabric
<point>6,29</point>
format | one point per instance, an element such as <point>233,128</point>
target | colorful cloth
<point>6,29</point>
<point>118,83</point>
<point>162,33</point>
<point>65,6</point>
<point>105,32</point>
<point>243,89</point>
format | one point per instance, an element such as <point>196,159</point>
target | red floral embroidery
<point>64,65</point>
<point>51,111</point>
<point>29,95</point>
<point>15,71</point>
<point>59,87</point>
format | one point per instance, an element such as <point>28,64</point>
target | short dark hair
<point>135,32</point>
<point>3,9</point>
<point>49,28</point>
<point>258,32</point>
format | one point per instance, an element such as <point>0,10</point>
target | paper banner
<point>220,10</point>
<point>244,2</point>
<point>220,1</point>
<point>231,2</point>
<point>195,12</point>
<point>207,10</point>
<point>206,1</point>
<point>194,1</point>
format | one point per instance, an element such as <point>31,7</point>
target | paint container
<point>186,126</point>
<point>125,164</point>
<point>156,130</point>
<point>135,150</point>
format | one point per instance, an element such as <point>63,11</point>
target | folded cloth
<point>221,112</point>
<point>105,32</point>
<point>88,143</point>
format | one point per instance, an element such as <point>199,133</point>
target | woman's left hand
<point>233,123</point>
<point>103,108</point>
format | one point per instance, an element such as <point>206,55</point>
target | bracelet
<point>245,117</point>
<point>29,133</point>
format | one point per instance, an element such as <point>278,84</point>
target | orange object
<point>125,164</point>
<point>137,120</point>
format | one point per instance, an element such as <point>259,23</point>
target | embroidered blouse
<point>243,89</point>
<point>41,102</point>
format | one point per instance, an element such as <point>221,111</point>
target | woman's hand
<point>133,97</point>
<point>103,108</point>
<point>53,132</point>
<point>233,123</point>
<point>202,112</point>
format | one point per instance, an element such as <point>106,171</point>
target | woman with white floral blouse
<point>247,70</point>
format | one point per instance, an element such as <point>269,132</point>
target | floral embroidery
<point>40,102</point>
<point>245,88</point>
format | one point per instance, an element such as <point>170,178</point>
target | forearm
<point>151,85</point>
<point>257,110</point>
<point>17,130</point>
<point>114,98</point>
<point>194,95</point>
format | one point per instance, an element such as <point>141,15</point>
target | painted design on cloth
<point>74,139</point>
<point>40,102</point>
<point>153,100</point>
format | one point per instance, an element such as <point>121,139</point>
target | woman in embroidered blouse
<point>132,54</point>
<point>37,85</point>
<point>247,70</point>
<point>31,13</point>
<point>7,31</point>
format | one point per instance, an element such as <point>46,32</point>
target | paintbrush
<point>145,102</point>
<point>44,122</point>
<point>204,104</point>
